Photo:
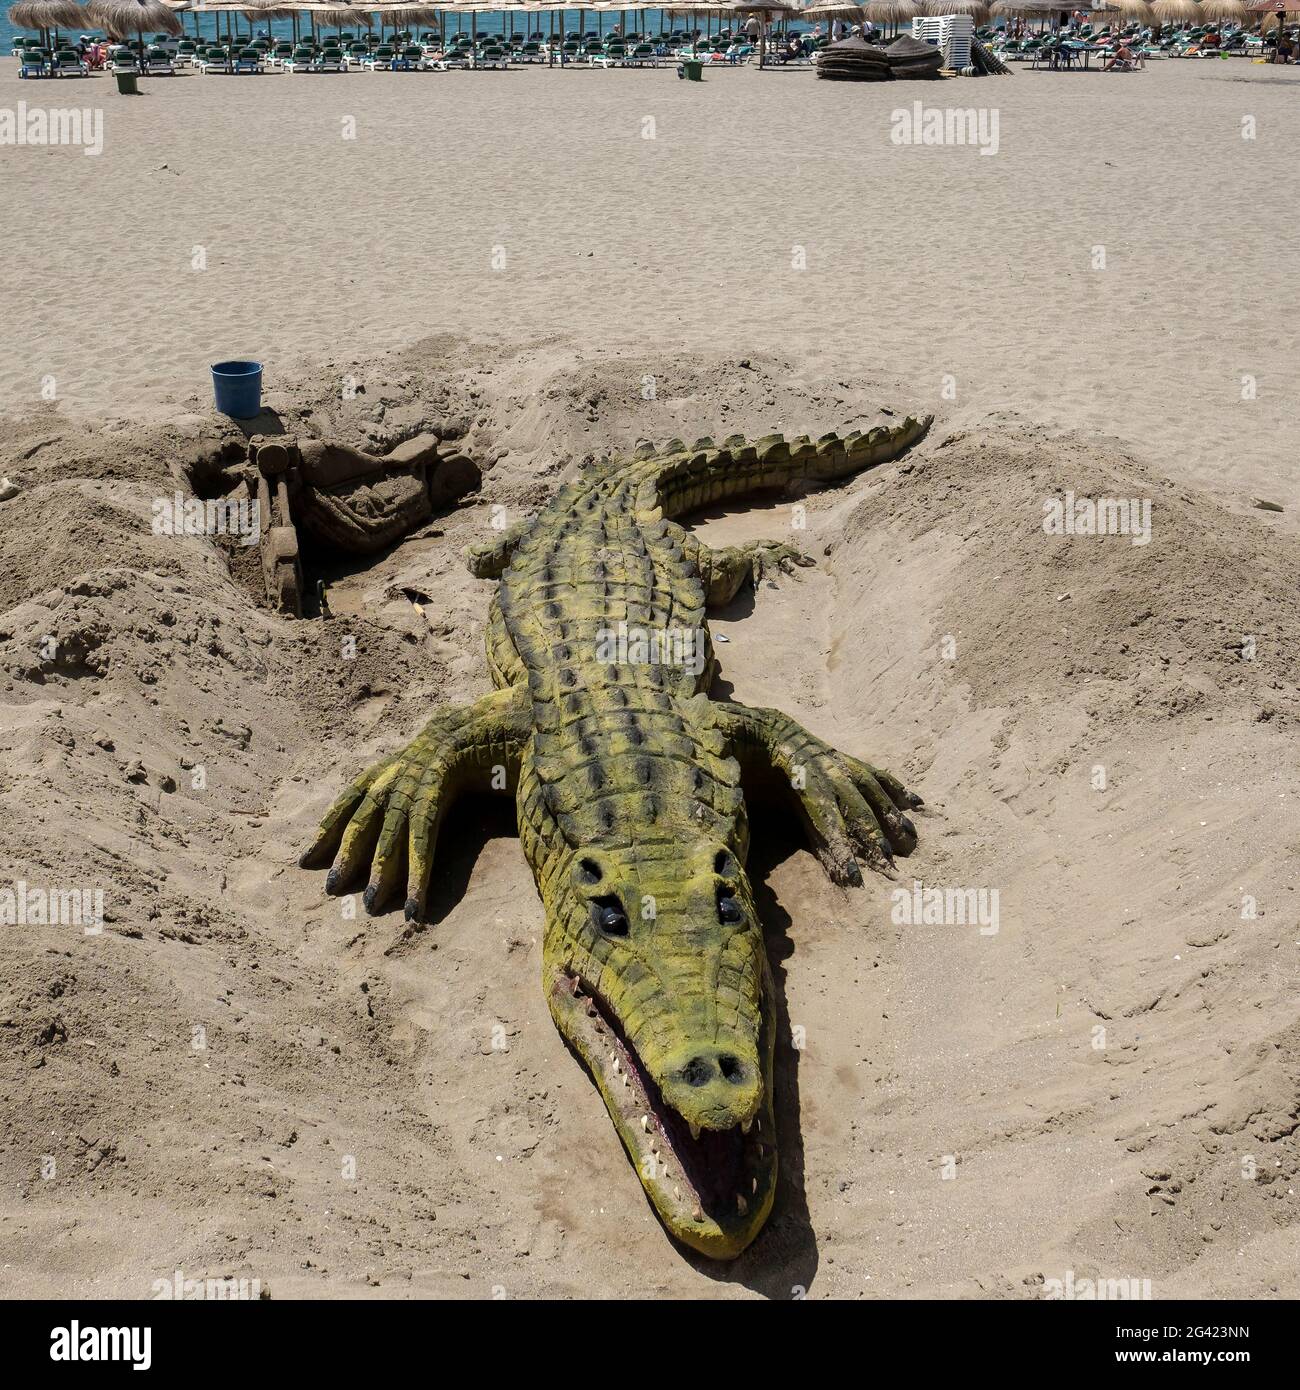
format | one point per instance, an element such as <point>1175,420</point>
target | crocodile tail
<point>678,478</point>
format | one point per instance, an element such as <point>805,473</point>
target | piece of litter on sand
<point>721,637</point>
<point>1060,598</point>
<point>7,489</point>
<point>1265,505</point>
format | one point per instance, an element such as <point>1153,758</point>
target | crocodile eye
<point>729,910</point>
<point>609,916</point>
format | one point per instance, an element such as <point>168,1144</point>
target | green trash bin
<point>693,70</point>
<point>126,84</point>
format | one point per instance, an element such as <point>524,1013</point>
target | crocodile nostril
<point>698,1072</point>
<point>731,1067</point>
<point>705,1068</point>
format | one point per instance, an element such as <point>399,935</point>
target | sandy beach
<point>921,262</point>
<point>1106,1086</point>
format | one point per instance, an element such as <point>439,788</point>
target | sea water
<point>584,21</point>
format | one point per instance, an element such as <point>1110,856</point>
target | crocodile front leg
<point>389,817</point>
<point>489,559</point>
<point>847,805</point>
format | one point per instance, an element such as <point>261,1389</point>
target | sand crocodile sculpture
<point>628,781</point>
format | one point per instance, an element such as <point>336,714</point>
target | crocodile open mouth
<point>712,1188</point>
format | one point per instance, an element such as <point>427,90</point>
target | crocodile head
<point>658,978</point>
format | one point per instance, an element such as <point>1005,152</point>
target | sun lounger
<point>249,60</point>
<point>215,60</point>
<point>381,59</point>
<point>614,56</point>
<point>491,56</point>
<point>66,63</point>
<point>643,56</point>
<point>158,63</point>
<point>410,59</point>
<point>331,59</point>
<point>301,60</point>
<point>123,59</point>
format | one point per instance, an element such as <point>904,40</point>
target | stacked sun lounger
<point>910,58</point>
<point>952,33</point>
<point>852,60</point>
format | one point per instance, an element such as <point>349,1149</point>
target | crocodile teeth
<point>677,1192</point>
<point>695,1131</point>
<point>645,1123</point>
<point>753,1186</point>
<point>742,1206</point>
<point>697,1214</point>
<point>747,1125</point>
<point>614,1058</point>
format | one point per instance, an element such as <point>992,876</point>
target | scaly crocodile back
<point>622,750</point>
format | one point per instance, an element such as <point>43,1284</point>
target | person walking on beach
<point>1282,54</point>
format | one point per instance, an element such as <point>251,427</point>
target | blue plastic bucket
<point>238,388</point>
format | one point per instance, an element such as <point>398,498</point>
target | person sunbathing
<point>1123,54</point>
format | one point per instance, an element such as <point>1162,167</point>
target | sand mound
<point>240,1076</point>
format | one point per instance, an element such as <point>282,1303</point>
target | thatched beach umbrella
<point>1269,8</point>
<point>1176,11</point>
<point>834,9</point>
<point>249,9</point>
<point>337,15</point>
<point>1127,9</point>
<point>764,10</point>
<point>829,9</point>
<point>1025,8</point>
<point>268,10</point>
<point>119,19</point>
<point>1225,9</point>
<point>398,9</point>
<point>893,12</point>
<point>897,10</point>
<point>48,16</point>
<point>977,9</point>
